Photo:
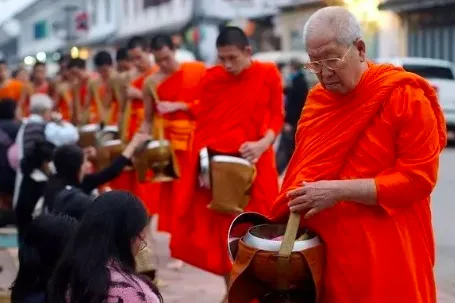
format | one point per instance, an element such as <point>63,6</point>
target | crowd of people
<point>52,178</point>
<point>366,144</point>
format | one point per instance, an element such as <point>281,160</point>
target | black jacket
<point>296,94</point>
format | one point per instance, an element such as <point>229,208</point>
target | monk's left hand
<point>252,151</point>
<point>313,197</point>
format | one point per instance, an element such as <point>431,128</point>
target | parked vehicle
<point>441,75</point>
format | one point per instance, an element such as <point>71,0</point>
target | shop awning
<point>409,5</point>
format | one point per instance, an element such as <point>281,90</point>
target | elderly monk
<point>132,117</point>
<point>176,86</point>
<point>366,161</point>
<point>241,112</point>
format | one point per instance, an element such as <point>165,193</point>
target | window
<point>107,6</point>
<point>41,30</point>
<point>152,3</point>
<point>430,72</point>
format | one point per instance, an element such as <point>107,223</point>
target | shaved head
<point>333,21</point>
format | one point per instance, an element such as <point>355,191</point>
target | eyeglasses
<point>331,63</point>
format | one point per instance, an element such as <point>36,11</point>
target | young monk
<point>87,108</point>
<point>177,89</point>
<point>366,161</point>
<point>132,116</point>
<point>124,64</point>
<point>241,112</point>
<point>61,90</point>
<point>104,66</point>
<point>39,79</point>
<point>38,84</point>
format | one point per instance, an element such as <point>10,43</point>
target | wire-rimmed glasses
<point>331,63</point>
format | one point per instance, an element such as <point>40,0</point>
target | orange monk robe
<point>147,192</point>
<point>182,86</point>
<point>389,128</point>
<point>88,92</point>
<point>233,110</point>
<point>63,100</point>
<point>11,89</point>
<point>110,101</point>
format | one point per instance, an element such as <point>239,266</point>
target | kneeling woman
<point>68,191</point>
<point>98,264</point>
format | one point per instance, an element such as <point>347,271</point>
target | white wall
<point>28,45</point>
<point>103,19</point>
<point>392,36</point>
<point>237,9</point>
<point>134,20</point>
<point>289,27</point>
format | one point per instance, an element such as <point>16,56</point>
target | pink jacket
<point>129,289</point>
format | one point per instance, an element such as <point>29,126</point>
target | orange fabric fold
<point>392,129</point>
<point>64,101</point>
<point>179,133</point>
<point>232,110</point>
<point>11,89</point>
<point>181,86</point>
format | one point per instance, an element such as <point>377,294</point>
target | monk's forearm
<point>269,137</point>
<point>358,190</point>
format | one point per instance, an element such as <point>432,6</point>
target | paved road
<point>191,285</point>
<point>443,207</point>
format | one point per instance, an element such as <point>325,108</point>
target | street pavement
<point>191,285</point>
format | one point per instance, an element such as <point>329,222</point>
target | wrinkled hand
<point>166,107</point>
<point>252,151</point>
<point>314,197</point>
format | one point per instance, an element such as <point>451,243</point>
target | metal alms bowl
<point>261,237</point>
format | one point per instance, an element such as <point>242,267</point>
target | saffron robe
<point>389,128</point>
<point>233,110</point>
<point>134,115</point>
<point>181,86</point>
<point>63,100</point>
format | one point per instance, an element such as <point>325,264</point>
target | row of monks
<point>234,108</point>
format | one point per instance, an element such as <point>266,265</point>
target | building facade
<point>429,27</point>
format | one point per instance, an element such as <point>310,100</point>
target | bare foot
<point>176,265</point>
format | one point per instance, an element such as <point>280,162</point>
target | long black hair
<point>42,247</point>
<point>105,235</point>
<point>68,160</point>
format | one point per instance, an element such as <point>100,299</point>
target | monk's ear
<point>361,48</point>
<point>248,50</point>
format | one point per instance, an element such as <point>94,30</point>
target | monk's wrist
<point>269,138</point>
<point>356,190</point>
